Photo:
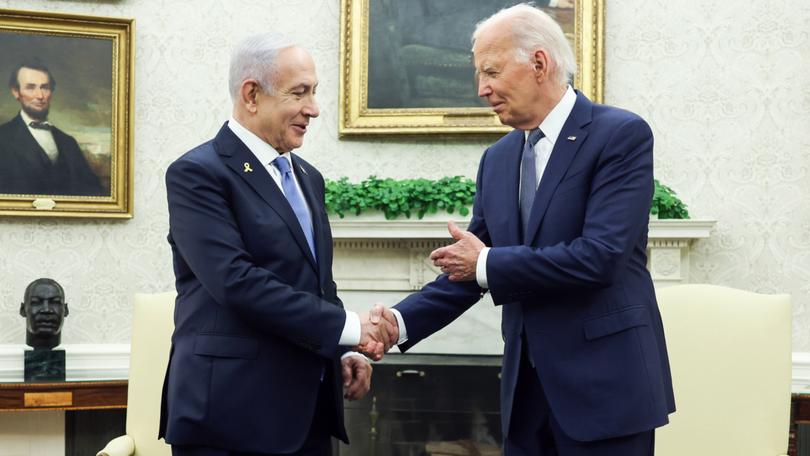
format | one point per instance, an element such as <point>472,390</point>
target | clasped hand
<point>379,332</point>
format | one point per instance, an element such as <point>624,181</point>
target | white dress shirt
<point>266,154</point>
<point>42,136</point>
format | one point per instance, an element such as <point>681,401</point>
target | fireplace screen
<point>428,405</point>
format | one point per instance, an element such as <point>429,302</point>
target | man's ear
<point>67,311</point>
<point>15,93</point>
<point>248,93</point>
<point>540,63</point>
<point>22,310</point>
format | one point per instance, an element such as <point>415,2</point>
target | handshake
<point>379,331</point>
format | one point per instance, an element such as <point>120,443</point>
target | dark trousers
<point>323,449</point>
<point>535,432</point>
<point>317,443</point>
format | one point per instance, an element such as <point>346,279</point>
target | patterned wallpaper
<point>725,86</point>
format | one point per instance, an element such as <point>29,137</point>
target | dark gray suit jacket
<point>25,169</point>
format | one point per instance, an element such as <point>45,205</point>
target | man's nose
<point>483,89</point>
<point>312,109</point>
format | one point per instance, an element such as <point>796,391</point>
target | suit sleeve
<point>209,239</point>
<point>442,301</point>
<point>616,214</point>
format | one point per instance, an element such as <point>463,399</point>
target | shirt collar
<point>553,123</point>
<point>264,152</point>
<point>27,119</point>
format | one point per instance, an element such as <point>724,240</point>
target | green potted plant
<point>449,194</point>
<point>400,197</point>
<point>666,204</point>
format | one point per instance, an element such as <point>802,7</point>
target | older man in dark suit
<point>558,238</point>
<point>36,158</point>
<point>260,348</point>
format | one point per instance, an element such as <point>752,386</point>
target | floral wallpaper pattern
<point>725,86</point>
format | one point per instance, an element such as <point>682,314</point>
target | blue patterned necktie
<point>296,200</point>
<point>528,184</point>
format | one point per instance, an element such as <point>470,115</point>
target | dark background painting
<point>420,51</point>
<point>82,104</point>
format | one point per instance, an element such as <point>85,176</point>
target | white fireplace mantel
<point>377,254</point>
<point>668,246</point>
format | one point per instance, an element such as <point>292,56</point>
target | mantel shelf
<point>434,226</point>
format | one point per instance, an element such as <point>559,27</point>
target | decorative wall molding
<point>82,362</point>
<point>111,362</point>
<point>801,373</point>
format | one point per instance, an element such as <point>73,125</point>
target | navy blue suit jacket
<point>577,282</point>
<point>257,319</point>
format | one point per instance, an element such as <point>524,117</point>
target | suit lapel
<point>315,204</point>
<point>245,164</point>
<point>509,167</point>
<point>562,156</point>
<point>25,144</point>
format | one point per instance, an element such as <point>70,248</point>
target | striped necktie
<point>528,184</point>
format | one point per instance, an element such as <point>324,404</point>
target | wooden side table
<point>86,395</point>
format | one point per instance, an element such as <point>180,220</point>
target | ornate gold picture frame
<point>405,66</point>
<point>66,115</point>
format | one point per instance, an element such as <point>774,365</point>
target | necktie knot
<point>40,125</point>
<point>535,136</point>
<point>282,164</point>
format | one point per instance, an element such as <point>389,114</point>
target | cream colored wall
<point>725,86</point>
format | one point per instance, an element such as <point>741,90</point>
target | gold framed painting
<point>405,66</point>
<point>65,115</point>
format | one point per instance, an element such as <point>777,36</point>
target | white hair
<point>255,58</point>
<point>532,28</point>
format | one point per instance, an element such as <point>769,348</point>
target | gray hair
<point>255,58</point>
<point>532,28</point>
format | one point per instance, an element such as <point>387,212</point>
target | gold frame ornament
<point>76,49</point>
<point>357,118</point>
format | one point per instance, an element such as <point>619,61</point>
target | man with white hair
<point>260,348</point>
<point>558,237</point>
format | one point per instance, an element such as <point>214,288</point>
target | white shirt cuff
<point>351,330</point>
<point>481,268</point>
<point>403,333</point>
<point>351,353</point>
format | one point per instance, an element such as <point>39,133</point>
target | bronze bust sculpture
<point>44,308</point>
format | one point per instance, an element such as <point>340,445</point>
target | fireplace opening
<point>428,405</point>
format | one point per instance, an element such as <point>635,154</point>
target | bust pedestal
<point>44,365</point>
